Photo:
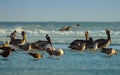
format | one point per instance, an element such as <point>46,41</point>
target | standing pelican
<point>13,35</point>
<point>17,42</point>
<point>40,44</point>
<point>76,42</point>
<point>103,43</point>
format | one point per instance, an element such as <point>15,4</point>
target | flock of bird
<point>80,45</point>
<point>94,45</point>
<point>8,47</point>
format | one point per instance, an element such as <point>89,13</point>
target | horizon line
<point>59,21</point>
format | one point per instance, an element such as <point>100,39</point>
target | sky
<point>60,10</point>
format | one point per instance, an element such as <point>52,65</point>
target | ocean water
<point>72,62</point>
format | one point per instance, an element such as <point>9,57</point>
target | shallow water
<point>72,62</point>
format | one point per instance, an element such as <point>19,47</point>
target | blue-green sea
<point>72,62</point>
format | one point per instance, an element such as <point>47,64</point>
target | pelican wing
<point>16,41</point>
<point>76,42</point>
<point>101,41</point>
<point>42,43</point>
<point>106,50</point>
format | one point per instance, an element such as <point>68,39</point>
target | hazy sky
<point>60,10</point>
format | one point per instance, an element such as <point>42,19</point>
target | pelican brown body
<point>109,51</point>
<point>6,51</point>
<point>77,41</point>
<point>53,51</point>
<point>90,43</point>
<point>65,28</point>
<point>13,35</point>
<point>40,44</point>
<point>58,52</point>
<point>17,42</point>
<point>81,47</point>
<point>6,48</point>
<point>5,54</point>
<point>103,43</point>
<point>25,47</point>
<point>36,55</point>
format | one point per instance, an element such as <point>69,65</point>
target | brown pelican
<point>7,48</point>
<point>40,44</point>
<point>76,42</point>
<point>80,47</point>
<point>109,51</point>
<point>65,28</point>
<point>90,43</point>
<point>6,51</point>
<point>36,55</point>
<point>17,42</point>
<point>53,51</point>
<point>13,35</point>
<point>102,43</point>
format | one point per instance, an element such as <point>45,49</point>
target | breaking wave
<point>36,33</point>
